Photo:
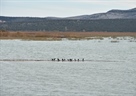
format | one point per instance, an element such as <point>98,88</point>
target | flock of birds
<point>57,59</point>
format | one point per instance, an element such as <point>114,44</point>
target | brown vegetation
<point>60,35</point>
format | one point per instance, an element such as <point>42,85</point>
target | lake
<point>109,68</point>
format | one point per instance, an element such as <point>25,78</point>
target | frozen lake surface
<point>111,71</point>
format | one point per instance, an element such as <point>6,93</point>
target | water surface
<point>111,71</point>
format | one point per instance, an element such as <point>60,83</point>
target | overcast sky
<point>61,8</point>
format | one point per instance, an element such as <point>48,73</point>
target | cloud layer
<point>61,8</point>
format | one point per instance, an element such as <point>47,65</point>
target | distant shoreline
<point>34,35</point>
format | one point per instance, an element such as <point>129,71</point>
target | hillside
<point>112,14</point>
<point>111,21</point>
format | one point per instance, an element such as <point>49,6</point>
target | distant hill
<point>112,14</point>
<point>111,21</point>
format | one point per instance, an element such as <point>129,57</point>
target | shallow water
<point>111,71</point>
